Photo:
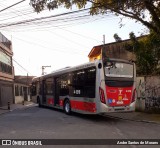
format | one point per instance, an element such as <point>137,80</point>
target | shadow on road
<point>94,118</point>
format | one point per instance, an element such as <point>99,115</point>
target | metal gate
<point>6,95</point>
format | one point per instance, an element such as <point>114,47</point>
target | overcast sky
<point>57,41</point>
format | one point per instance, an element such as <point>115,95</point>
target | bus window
<point>90,82</point>
<point>64,85</point>
<point>77,83</point>
<point>117,69</point>
<point>49,86</point>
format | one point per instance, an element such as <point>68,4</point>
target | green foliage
<point>117,38</point>
<point>147,51</point>
<point>145,11</point>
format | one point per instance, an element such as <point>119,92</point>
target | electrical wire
<point>40,19</point>
<point>12,5</point>
<point>66,51</point>
<point>10,22</point>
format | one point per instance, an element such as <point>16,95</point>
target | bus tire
<point>67,107</point>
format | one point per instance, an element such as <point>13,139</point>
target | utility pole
<point>103,48</point>
<point>43,67</point>
<point>27,80</point>
<point>104,38</point>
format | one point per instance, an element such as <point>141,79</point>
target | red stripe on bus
<point>50,101</point>
<point>61,102</point>
<point>84,106</point>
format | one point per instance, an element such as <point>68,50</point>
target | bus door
<point>56,91</point>
<point>44,92</point>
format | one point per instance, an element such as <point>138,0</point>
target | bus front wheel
<point>67,107</point>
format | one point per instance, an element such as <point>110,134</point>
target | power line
<point>88,37</point>
<point>12,5</point>
<point>58,23</point>
<point>21,66</point>
<point>57,50</point>
<point>47,20</point>
<point>42,18</point>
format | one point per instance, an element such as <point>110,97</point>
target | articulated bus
<point>97,87</point>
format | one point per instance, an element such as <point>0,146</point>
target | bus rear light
<point>134,96</point>
<point>102,96</point>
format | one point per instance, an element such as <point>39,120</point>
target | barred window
<point>5,68</point>
<point>21,91</point>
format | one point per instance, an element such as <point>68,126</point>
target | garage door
<point>6,95</point>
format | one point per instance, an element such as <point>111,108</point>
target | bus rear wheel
<point>67,107</point>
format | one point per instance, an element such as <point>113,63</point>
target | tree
<point>147,51</point>
<point>117,38</point>
<point>145,11</point>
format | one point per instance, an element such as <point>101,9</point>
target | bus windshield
<point>118,69</point>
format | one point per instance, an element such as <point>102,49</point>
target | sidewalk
<point>133,116</point>
<point>137,116</point>
<point>5,109</point>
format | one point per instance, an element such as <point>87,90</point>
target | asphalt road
<point>44,123</point>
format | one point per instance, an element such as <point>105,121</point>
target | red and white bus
<point>93,88</point>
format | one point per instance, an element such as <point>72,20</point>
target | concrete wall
<point>20,99</point>
<point>148,93</point>
<point>23,95</point>
<point>118,50</point>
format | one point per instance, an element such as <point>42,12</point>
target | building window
<point>5,41</point>
<point>16,90</point>
<point>5,68</point>
<point>5,62</point>
<point>49,86</point>
<point>21,91</point>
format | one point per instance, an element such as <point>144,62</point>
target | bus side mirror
<point>100,65</point>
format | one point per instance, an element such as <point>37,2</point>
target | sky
<point>58,41</point>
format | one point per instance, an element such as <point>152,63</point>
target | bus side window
<point>49,86</point>
<point>77,83</point>
<point>64,85</point>
<point>90,82</point>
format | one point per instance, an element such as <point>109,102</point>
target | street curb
<point>145,121</point>
<point>6,112</point>
<point>19,108</point>
<point>25,107</point>
<point>3,109</point>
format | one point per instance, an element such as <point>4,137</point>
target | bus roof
<point>74,68</point>
<point>65,70</point>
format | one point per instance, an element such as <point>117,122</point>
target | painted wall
<point>148,93</point>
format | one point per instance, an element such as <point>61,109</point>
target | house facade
<point>6,72</point>
<point>22,88</point>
